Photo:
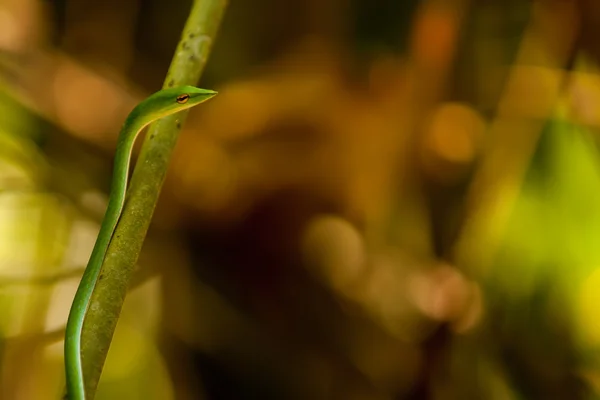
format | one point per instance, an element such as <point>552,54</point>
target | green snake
<point>158,105</point>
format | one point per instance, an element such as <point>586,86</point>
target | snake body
<point>158,105</point>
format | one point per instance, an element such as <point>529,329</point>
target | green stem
<point>150,170</point>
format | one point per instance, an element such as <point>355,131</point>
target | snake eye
<point>183,98</point>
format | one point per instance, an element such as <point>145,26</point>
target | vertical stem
<point>186,68</point>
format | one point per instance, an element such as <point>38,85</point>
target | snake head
<point>171,100</point>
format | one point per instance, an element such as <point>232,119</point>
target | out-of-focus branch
<point>530,96</point>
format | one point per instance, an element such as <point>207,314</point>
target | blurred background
<point>387,200</point>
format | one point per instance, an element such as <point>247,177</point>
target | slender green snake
<point>158,105</point>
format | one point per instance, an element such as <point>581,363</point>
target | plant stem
<point>107,300</point>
